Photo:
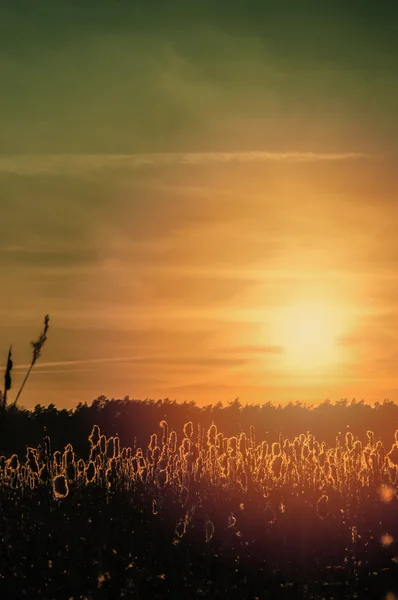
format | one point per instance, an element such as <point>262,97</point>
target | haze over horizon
<point>203,198</point>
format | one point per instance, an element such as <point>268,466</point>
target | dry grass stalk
<point>37,348</point>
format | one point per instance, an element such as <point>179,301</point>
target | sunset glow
<point>198,299</point>
<point>308,335</point>
<point>203,198</point>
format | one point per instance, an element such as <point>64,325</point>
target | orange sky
<point>202,197</point>
<point>260,276</point>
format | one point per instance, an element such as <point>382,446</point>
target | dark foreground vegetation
<point>134,421</point>
<point>199,510</point>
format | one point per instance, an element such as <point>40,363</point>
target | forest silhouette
<point>135,420</point>
<point>189,511</point>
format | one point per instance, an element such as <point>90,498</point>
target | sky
<point>202,196</point>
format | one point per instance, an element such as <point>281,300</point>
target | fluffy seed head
<point>60,487</point>
<point>94,436</point>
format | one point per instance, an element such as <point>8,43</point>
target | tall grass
<point>304,470</point>
<point>37,349</point>
<point>205,510</point>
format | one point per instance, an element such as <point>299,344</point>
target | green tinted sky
<point>147,76</point>
<point>148,204</point>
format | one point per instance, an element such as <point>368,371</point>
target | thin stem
<point>37,347</point>
<point>7,385</point>
<point>23,384</point>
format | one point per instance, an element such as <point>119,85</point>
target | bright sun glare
<point>308,335</point>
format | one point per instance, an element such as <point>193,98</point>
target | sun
<point>308,335</point>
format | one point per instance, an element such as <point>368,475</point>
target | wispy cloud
<point>53,371</point>
<point>65,363</point>
<point>178,360</point>
<point>75,164</point>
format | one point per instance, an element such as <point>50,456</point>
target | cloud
<point>80,164</point>
<point>50,221</point>
<point>28,258</point>
<point>152,360</point>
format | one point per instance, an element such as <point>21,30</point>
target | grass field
<point>197,514</point>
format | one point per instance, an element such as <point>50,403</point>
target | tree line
<point>135,420</point>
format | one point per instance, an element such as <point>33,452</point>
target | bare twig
<point>37,347</point>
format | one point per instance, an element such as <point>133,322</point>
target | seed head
<point>60,487</point>
<point>188,429</point>
<point>94,436</point>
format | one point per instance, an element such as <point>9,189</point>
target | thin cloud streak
<point>52,372</point>
<point>74,164</point>
<point>83,362</point>
<point>212,361</point>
